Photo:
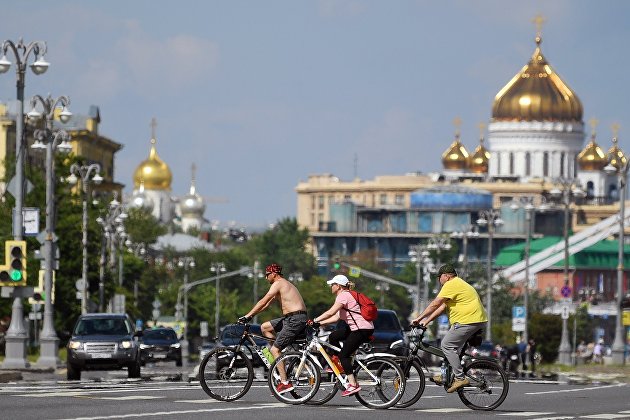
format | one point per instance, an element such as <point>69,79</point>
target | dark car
<point>103,342</point>
<point>160,344</point>
<point>389,336</point>
<point>230,336</point>
<point>485,349</point>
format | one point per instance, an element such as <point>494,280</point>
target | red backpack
<point>369,311</point>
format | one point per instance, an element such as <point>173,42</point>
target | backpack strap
<point>355,295</point>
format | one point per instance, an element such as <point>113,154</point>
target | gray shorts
<point>287,329</point>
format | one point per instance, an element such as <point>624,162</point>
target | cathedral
<point>152,191</point>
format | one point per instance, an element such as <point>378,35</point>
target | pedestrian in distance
<point>286,328</point>
<point>466,315</point>
<point>358,332</point>
<point>532,347</point>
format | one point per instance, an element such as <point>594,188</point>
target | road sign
<point>518,318</point>
<point>564,312</point>
<point>79,284</point>
<point>565,291</point>
<point>156,314</point>
<point>156,304</point>
<point>203,329</point>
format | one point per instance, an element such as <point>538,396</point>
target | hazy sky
<point>260,94</point>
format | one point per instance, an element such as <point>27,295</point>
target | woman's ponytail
<point>351,285</point>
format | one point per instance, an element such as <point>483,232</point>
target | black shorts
<point>287,329</point>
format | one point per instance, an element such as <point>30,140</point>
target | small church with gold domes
<point>152,191</point>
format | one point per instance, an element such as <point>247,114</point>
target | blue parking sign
<point>518,312</point>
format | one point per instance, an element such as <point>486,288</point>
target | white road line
<point>575,390</point>
<point>69,393</point>
<point>555,418</point>
<point>442,410</point>
<point>605,416</point>
<point>173,414</point>
<point>208,401</point>
<point>127,397</point>
<point>525,414</point>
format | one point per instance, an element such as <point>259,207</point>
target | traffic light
<point>13,273</point>
<point>335,267</point>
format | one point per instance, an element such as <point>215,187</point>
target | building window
<point>545,164</point>
<point>511,163</point>
<point>312,219</point>
<point>383,199</point>
<point>331,199</point>
<point>312,202</point>
<point>400,199</point>
<point>347,197</point>
<point>320,200</point>
<point>562,164</point>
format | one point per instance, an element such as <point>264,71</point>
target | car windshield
<point>159,335</point>
<point>386,321</point>
<point>102,326</point>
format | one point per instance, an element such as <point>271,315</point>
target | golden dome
<point>478,162</point>
<point>536,93</point>
<point>592,158</point>
<point>616,156</point>
<point>155,174</point>
<point>456,156</point>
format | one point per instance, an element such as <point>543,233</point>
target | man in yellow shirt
<point>466,315</point>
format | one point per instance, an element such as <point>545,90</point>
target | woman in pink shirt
<point>346,308</point>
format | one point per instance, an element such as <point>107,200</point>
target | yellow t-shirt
<point>463,302</point>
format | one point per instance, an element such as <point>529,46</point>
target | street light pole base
<point>49,356</point>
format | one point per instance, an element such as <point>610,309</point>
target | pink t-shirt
<point>354,320</point>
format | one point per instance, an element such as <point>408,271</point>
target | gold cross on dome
<point>457,122</point>
<point>593,122</point>
<point>538,20</point>
<point>153,127</point>
<point>482,129</point>
<point>615,129</point>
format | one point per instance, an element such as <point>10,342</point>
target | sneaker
<point>457,384</point>
<point>281,388</point>
<point>437,379</point>
<point>351,390</point>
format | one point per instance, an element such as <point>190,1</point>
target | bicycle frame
<point>248,338</point>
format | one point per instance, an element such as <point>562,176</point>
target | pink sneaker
<point>351,390</point>
<point>281,388</point>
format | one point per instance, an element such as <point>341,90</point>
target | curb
<point>10,376</point>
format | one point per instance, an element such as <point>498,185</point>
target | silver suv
<point>103,342</point>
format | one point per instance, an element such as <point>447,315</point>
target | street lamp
<point>15,350</point>
<point>619,165</point>
<point>527,204</point>
<point>113,231</point>
<point>567,190</point>
<point>256,274</point>
<point>186,263</point>
<point>87,174</point>
<point>139,250</point>
<point>46,139</point>
<point>419,255</point>
<point>492,219</point>
<point>467,232</point>
<point>217,268</point>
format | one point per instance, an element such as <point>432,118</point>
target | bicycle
<point>381,379</point>
<point>489,383</point>
<point>226,373</point>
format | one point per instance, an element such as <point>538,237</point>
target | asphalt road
<point>159,395</point>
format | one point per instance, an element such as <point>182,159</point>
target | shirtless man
<point>292,322</point>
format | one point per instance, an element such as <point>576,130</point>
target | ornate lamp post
<point>255,275</point>
<point>113,230</point>
<point>217,268</point>
<point>492,219</point>
<point>46,139</point>
<point>467,232</point>
<point>15,353</point>
<point>419,255</point>
<point>567,190</point>
<point>87,174</point>
<point>139,250</point>
<point>619,165</point>
<point>186,263</point>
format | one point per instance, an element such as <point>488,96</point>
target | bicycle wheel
<point>488,387</point>
<point>328,387</point>
<point>226,375</point>
<point>414,385</point>
<point>382,382</point>
<point>304,377</point>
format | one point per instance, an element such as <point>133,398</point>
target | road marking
<point>605,416</point>
<point>555,418</point>
<point>173,414</point>
<point>442,410</point>
<point>208,401</point>
<point>127,397</point>
<point>66,393</point>
<point>525,414</point>
<point>575,390</point>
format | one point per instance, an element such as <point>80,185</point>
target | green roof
<point>603,254</point>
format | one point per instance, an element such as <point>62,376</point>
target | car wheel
<point>133,371</point>
<point>74,373</point>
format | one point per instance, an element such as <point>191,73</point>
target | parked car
<point>230,336</point>
<point>389,336</point>
<point>160,344</point>
<point>486,349</point>
<point>103,342</point>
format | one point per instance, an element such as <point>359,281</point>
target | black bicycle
<point>488,386</point>
<point>226,373</point>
